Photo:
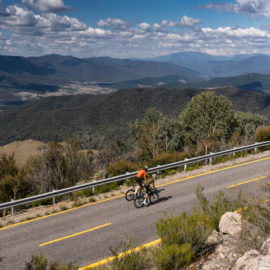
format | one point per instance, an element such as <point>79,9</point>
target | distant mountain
<point>219,66</point>
<point>59,69</point>
<point>252,81</point>
<point>107,116</point>
<point>198,56</point>
<point>35,76</point>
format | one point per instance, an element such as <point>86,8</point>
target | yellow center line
<point>214,171</point>
<point>75,234</point>
<point>59,213</point>
<point>116,197</point>
<point>102,262</point>
<point>242,183</point>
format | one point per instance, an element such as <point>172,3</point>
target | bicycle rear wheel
<point>138,201</point>
<point>130,194</point>
<point>154,197</point>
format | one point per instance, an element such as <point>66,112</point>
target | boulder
<point>213,239</point>
<point>255,260</point>
<point>265,249</point>
<point>230,223</point>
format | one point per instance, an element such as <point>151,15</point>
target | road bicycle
<point>130,193</point>
<point>141,199</point>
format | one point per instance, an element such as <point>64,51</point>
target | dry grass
<point>22,150</point>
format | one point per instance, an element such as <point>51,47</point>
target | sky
<point>133,28</point>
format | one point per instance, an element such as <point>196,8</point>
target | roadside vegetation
<point>183,236</point>
<point>208,123</point>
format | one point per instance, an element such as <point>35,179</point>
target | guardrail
<point>54,193</point>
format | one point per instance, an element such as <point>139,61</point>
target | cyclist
<point>140,176</point>
<point>149,182</point>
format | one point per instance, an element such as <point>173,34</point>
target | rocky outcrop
<point>227,255</point>
<point>230,223</point>
<point>255,260</point>
<point>224,256</point>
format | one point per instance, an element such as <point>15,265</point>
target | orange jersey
<point>141,173</point>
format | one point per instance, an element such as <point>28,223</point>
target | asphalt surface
<point>120,218</point>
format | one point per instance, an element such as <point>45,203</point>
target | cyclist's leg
<point>147,197</point>
<point>139,185</point>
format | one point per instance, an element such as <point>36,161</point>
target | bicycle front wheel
<point>138,202</point>
<point>130,194</point>
<point>154,197</point>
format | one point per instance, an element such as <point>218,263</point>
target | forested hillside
<point>107,116</point>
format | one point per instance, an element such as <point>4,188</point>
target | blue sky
<point>133,28</point>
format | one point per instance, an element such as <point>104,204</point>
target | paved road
<point>120,220</point>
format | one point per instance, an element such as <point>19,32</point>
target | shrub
<point>78,203</point>
<point>39,262</point>
<point>192,229</point>
<point>107,187</point>
<point>88,192</point>
<point>92,200</point>
<point>194,166</point>
<point>174,257</point>
<point>219,206</point>
<point>168,157</point>
<point>63,208</point>
<point>255,224</point>
<point>119,167</point>
<point>263,134</point>
<point>130,260</point>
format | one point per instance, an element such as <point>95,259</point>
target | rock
<point>213,239</point>
<point>265,249</point>
<point>230,223</point>
<point>254,260</point>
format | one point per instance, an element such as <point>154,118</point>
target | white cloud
<point>95,32</point>
<point>188,21</point>
<point>185,21</point>
<point>144,26</point>
<point>28,32</point>
<point>237,32</point>
<point>47,5</point>
<point>18,16</point>
<point>116,24</point>
<point>252,7</point>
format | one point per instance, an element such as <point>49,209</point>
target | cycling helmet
<point>146,168</point>
<point>154,175</point>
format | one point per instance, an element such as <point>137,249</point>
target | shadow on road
<point>164,199</point>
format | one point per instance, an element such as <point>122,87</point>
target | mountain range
<point>106,117</point>
<point>219,66</point>
<point>23,79</point>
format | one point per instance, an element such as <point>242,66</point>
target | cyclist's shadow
<point>163,199</point>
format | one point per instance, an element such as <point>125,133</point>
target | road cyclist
<point>135,190</point>
<point>148,195</point>
<point>140,177</point>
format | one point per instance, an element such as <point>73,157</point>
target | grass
<point>22,150</point>
<point>78,203</point>
<point>63,208</point>
<point>10,222</point>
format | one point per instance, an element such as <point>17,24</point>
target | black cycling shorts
<point>139,181</point>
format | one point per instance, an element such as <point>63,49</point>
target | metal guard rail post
<point>54,193</point>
